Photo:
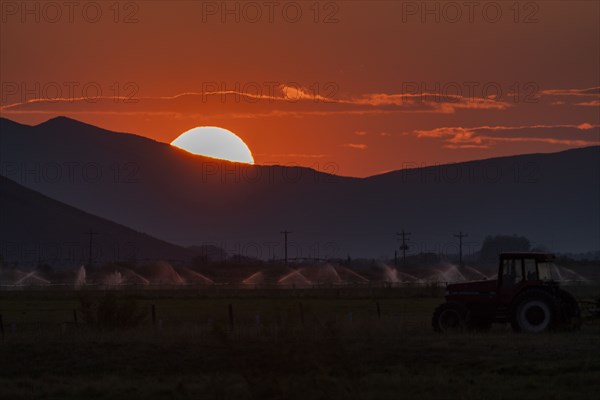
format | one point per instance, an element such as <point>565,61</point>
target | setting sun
<point>215,142</point>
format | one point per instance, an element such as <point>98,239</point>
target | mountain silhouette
<point>553,199</point>
<point>38,230</point>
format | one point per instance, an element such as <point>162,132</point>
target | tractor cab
<point>518,271</point>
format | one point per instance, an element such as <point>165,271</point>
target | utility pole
<point>285,244</point>
<point>460,237</point>
<point>91,233</point>
<point>404,246</point>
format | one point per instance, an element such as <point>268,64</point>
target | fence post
<point>301,313</point>
<point>154,315</point>
<point>231,315</point>
<point>257,319</point>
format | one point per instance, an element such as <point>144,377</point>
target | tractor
<point>524,295</point>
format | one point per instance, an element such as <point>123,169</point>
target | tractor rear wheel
<point>449,317</point>
<point>534,311</point>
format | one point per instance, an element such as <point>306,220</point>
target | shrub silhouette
<point>110,312</point>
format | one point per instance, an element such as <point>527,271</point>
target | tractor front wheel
<point>449,317</point>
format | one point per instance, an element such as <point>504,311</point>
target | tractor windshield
<point>548,272</point>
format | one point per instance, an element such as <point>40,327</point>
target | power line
<point>91,233</point>
<point>285,244</point>
<point>460,237</point>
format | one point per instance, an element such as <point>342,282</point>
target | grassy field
<point>284,345</point>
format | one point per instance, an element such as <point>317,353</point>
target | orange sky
<point>356,88</point>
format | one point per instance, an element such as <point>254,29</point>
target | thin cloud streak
<point>593,91</point>
<point>472,138</point>
<point>357,146</point>
<point>366,104</point>
<point>577,93</point>
<point>292,155</point>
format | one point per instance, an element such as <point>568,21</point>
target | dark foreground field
<point>294,346</point>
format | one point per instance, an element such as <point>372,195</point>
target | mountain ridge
<point>38,229</point>
<point>192,200</point>
<point>63,122</point>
